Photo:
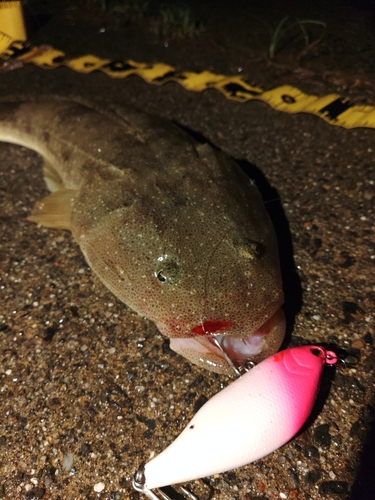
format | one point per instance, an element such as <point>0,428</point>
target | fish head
<point>196,273</point>
<point>223,287</point>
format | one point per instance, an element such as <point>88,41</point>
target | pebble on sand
<point>99,487</point>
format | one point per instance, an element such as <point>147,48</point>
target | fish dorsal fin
<point>55,210</point>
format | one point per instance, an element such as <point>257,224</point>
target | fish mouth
<point>242,349</point>
<point>211,345</point>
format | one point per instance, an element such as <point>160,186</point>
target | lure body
<point>252,417</point>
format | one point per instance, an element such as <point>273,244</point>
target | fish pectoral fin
<point>55,210</point>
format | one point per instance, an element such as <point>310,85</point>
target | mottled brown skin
<point>173,228</point>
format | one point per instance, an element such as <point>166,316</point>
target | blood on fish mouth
<point>239,349</point>
<point>211,326</point>
<point>200,342</point>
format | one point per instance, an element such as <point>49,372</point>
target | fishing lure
<point>252,417</point>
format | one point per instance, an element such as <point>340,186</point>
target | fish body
<point>173,228</point>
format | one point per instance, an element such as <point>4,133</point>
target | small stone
<point>35,494</point>
<point>358,344</point>
<point>311,452</point>
<point>334,487</point>
<point>99,487</point>
<point>313,476</point>
<point>349,309</point>
<point>289,454</point>
<point>368,338</point>
<point>47,482</point>
<point>293,478</point>
<point>322,435</point>
<point>68,462</point>
<point>85,448</point>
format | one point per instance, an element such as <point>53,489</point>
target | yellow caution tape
<point>332,108</point>
<point>11,20</point>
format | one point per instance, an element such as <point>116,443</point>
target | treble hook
<point>139,484</point>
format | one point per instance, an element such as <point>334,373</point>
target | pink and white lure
<point>252,417</point>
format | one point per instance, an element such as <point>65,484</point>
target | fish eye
<point>257,249</point>
<point>161,276</point>
<point>167,270</point>
<point>251,249</point>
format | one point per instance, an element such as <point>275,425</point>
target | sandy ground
<point>83,378</point>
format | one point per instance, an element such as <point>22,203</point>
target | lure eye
<point>317,351</point>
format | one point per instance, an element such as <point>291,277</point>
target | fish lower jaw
<point>252,347</point>
<point>264,342</point>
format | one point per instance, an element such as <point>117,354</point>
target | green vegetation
<point>291,31</point>
<point>169,21</point>
<point>176,22</point>
<point>129,10</point>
